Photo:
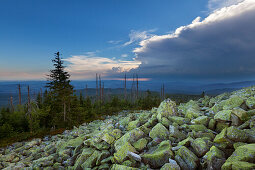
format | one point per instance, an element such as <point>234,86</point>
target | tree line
<point>60,107</point>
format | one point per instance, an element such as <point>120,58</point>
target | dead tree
<point>96,87</point>
<point>86,91</point>
<point>137,92</point>
<point>29,109</point>
<point>100,89</point>
<point>103,93</point>
<point>11,104</point>
<point>125,87</point>
<point>19,94</point>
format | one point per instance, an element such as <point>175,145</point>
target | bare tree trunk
<point>64,111</point>
<point>96,87</point>
<point>103,93</point>
<point>86,91</point>
<point>137,92</point>
<point>12,107</point>
<point>29,109</point>
<point>19,94</point>
<point>125,87</point>
<point>100,89</point>
<point>41,99</point>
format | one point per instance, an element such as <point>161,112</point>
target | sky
<point>182,40</point>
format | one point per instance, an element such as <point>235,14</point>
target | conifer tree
<point>59,84</point>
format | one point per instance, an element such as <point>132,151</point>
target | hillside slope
<point>211,133</point>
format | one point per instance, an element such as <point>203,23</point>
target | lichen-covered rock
<point>186,142</point>
<point>197,128</point>
<point>250,102</point>
<point>188,157</point>
<point>133,124</point>
<point>140,144</point>
<point>122,153</point>
<point>224,115</point>
<point>86,153</point>
<point>166,109</point>
<point>179,120</point>
<point>232,102</point>
<point>131,137</point>
<point>91,161</point>
<point>108,138</point>
<point>122,167</point>
<point>157,157</point>
<point>236,134</point>
<point>159,131</point>
<point>200,147</point>
<point>244,153</point>
<point>203,120</point>
<point>238,165</point>
<point>172,165</point>
<point>174,132</point>
<point>240,113</point>
<point>221,137</point>
<point>212,124</point>
<point>214,158</point>
<point>237,144</point>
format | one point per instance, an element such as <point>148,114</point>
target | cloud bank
<point>223,44</point>
<point>86,66</point>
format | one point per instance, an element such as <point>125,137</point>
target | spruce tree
<point>59,84</point>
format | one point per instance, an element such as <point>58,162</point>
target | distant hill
<point>115,87</point>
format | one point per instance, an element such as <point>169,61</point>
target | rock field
<point>211,133</point>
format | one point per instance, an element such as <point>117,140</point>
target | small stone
<point>134,156</point>
<point>172,165</point>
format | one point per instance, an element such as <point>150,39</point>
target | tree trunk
<point>64,111</point>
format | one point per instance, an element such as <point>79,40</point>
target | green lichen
<point>159,131</point>
<point>188,157</point>
<point>121,154</point>
<point>140,144</point>
<point>158,157</point>
<point>224,115</point>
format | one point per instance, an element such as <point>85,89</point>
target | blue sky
<point>115,36</point>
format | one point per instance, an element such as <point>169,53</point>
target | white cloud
<point>124,55</point>
<point>137,36</point>
<point>86,66</point>
<point>221,44</point>
<point>218,4</point>
<point>115,42</point>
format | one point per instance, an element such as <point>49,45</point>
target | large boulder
<point>159,131</point>
<point>242,158</point>
<point>236,134</point>
<point>157,157</point>
<point>122,154</point>
<point>131,137</point>
<point>200,147</point>
<point>214,158</point>
<point>166,109</point>
<point>224,115</point>
<point>188,157</point>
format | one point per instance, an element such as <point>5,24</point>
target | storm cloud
<point>223,44</point>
